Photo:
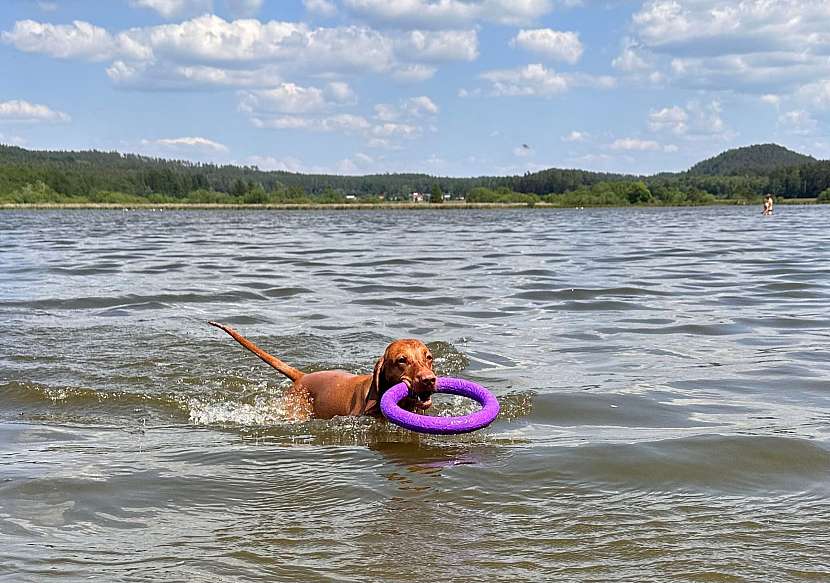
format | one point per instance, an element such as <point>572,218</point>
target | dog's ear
<point>377,374</point>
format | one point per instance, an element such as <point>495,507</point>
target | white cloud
<point>695,120</point>
<point>209,50</point>
<point>798,122</point>
<point>340,92</point>
<point>270,163</point>
<point>816,94</point>
<point>144,75</point>
<point>633,58</point>
<point>188,143</point>
<point>344,122</point>
<point>448,13</point>
<point>79,40</point>
<point>418,106</point>
<point>552,44</point>
<point>412,108</point>
<point>576,136</point>
<point>321,7</point>
<point>634,144</point>
<point>286,98</point>
<point>18,110</point>
<point>292,98</point>
<point>357,164</point>
<point>674,119</point>
<point>396,130</point>
<point>173,8</point>
<point>528,80</point>
<point>386,112</point>
<point>536,80</point>
<point>438,46</point>
<point>392,123</point>
<point>413,73</point>
<point>755,46</point>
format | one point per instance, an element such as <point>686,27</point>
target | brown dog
<point>327,393</point>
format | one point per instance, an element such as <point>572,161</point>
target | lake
<point>663,374</point>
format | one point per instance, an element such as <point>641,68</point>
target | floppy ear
<point>377,375</point>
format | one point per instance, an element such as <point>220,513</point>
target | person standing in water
<point>767,205</point>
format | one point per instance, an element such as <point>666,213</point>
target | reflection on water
<point>662,374</point>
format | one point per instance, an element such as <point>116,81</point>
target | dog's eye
<point>429,357</point>
<point>401,360</point>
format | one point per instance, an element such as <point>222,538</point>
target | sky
<point>446,87</point>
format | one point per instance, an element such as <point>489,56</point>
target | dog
<point>329,393</point>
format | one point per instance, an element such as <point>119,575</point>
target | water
<point>663,374</point>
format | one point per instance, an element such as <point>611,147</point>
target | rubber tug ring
<point>442,425</point>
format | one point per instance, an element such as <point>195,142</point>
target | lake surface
<point>664,377</point>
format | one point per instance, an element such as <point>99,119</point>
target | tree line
<point>110,177</point>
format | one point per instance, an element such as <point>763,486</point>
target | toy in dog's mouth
<point>420,396</point>
<point>423,400</point>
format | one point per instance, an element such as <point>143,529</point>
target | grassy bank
<point>362,206</point>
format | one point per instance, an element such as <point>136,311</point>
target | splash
<point>266,410</point>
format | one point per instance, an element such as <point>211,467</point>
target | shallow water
<point>663,374</point>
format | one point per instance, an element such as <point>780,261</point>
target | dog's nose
<point>427,381</point>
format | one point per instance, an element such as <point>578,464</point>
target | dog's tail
<point>275,362</point>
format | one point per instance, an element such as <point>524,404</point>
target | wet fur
<point>329,393</point>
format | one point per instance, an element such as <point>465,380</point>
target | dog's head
<point>409,361</point>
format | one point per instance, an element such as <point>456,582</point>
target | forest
<point>736,176</point>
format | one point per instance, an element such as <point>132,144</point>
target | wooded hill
<point>28,176</point>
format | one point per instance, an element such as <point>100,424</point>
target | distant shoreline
<point>355,206</point>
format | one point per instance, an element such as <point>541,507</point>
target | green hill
<point>759,160</point>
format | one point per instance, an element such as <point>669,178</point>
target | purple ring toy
<point>442,425</point>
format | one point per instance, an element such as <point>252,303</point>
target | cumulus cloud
<point>142,75</point>
<point>751,46</point>
<point>633,58</point>
<point>438,46</point>
<point>293,98</point>
<point>210,50</point>
<point>438,14</point>
<point>188,143</point>
<point>536,80</point>
<point>407,120</point>
<point>695,119</point>
<point>414,107</point>
<point>79,40</point>
<point>551,44</point>
<point>674,119</point>
<point>18,110</point>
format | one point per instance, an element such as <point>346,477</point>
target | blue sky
<point>450,87</point>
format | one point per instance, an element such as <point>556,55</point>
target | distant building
<point>417,197</point>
